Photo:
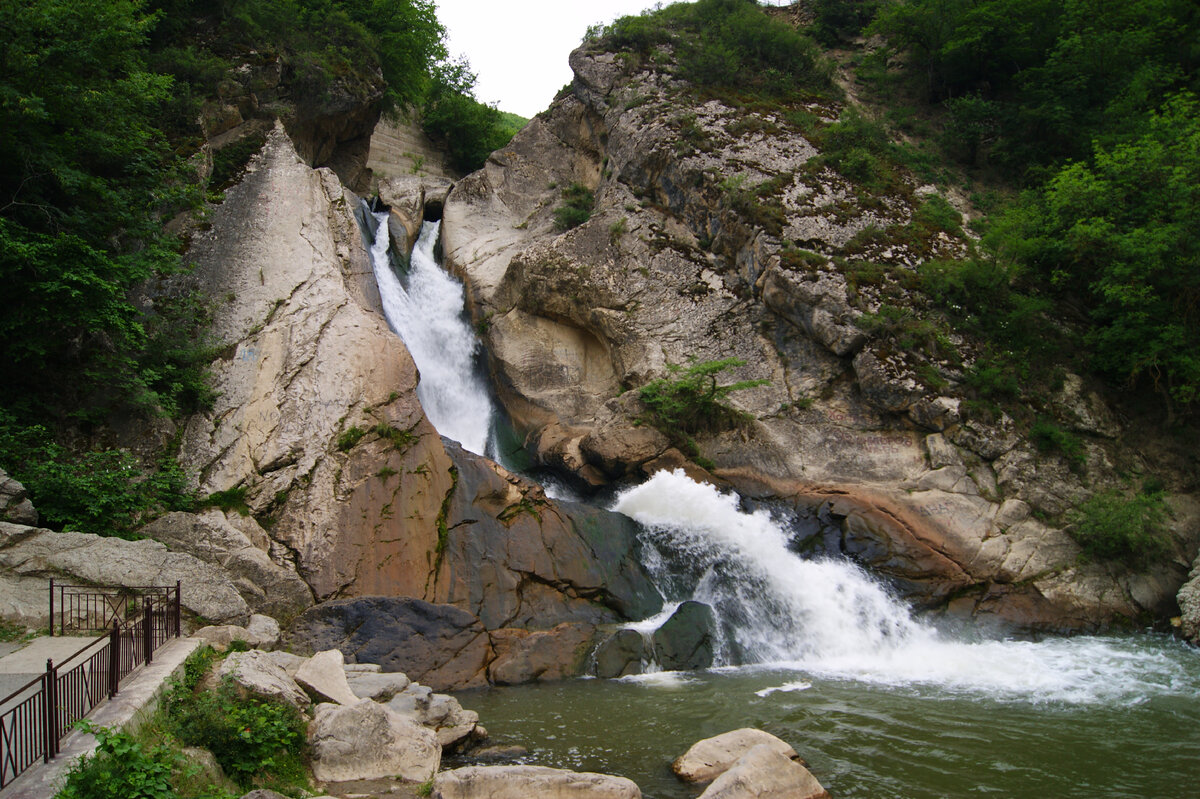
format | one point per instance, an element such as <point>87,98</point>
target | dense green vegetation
<point>257,743</point>
<point>725,46</point>
<point>1113,526</point>
<point>1089,108</point>
<point>99,101</point>
<point>578,202</point>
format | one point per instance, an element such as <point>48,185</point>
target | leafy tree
<point>1121,233</point>
<point>691,400</point>
<point>468,129</point>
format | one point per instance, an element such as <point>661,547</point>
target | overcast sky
<point>519,49</point>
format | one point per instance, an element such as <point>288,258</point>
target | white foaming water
<point>428,315</point>
<point>828,618</point>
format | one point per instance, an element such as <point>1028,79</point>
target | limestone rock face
<point>668,269</point>
<point>367,741</point>
<point>765,773</point>
<point>29,555</point>
<point>521,782</point>
<point>708,759</point>
<point>523,656</point>
<point>257,673</point>
<point>275,589</point>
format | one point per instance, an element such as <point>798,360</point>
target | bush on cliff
<point>692,402</point>
<point>1131,530</point>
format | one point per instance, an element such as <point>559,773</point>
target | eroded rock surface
<point>367,741</point>
<point>708,759</point>
<point>715,236</point>
<point>521,782</point>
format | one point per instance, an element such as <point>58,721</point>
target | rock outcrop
<point>29,556</point>
<point>765,773</point>
<point>367,741</point>
<point>15,506</point>
<point>715,235</point>
<point>708,759</point>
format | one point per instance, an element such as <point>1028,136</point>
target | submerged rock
<point>522,782</point>
<point>685,641</point>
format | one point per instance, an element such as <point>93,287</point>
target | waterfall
<point>827,617</point>
<point>426,311</point>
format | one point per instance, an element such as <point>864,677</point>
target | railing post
<point>147,632</point>
<point>178,583</point>
<point>51,607</point>
<point>114,659</point>
<point>51,705</point>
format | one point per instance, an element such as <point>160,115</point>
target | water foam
<point>829,618</point>
<point>426,311</point>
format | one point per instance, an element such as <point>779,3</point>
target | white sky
<point>519,49</point>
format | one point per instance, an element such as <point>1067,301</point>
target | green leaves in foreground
<point>691,401</point>
<point>122,768</point>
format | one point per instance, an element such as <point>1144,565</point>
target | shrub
<point>1049,437</point>
<point>691,401</point>
<point>349,438</point>
<point>1112,526</point>
<point>121,768</point>
<point>578,202</point>
<point>258,742</point>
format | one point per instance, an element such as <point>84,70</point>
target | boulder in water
<point>765,773</point>
<point>621,654</point>
<point>685,641</point>
<point>712,757</point>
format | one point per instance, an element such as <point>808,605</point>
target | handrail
<point>32,726</point>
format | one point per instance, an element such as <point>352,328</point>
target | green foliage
<point>1049,437</point>
<point>349,438</point>
<point>1121,233</point>
<point>838,20</point>
<point>691,401</point>
<point>258,742</point>
<point>724,45</point>
<point>103,491</point>
<point>229,499</point>
<point>759,205</point>
<point>230,161</point>
<point>121,768</point>
<point>578,202</point>
<point>399,438</point>
<point>1113,526</point>
<point>469,130</point>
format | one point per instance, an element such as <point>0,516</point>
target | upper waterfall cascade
<point>426,311</point>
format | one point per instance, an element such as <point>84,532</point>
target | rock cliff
<point>717,232</point>
<point>349,490</point>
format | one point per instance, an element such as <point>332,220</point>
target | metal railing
<point>35,718</point>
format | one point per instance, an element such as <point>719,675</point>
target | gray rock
<point>287,661</point>
<point>1189,605</point>
<point>220,636</point>
<point>263,632</point>
<point>438,645</point>
<point>685,641</point>
<point>265,585</point>
<point>765,773</point>
<point>498,754</point>
<point>257,673</point>
<point>377,687</point>
<point>621,653</point>
<point>522,782</point>
<point>15,505</point>
<point>324,679</point>
<point>82,557</point>
<point>367,741</point>
<point>210,770</point>
<point>708,759</point>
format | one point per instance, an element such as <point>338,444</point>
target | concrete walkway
<point>21,665</point>
<point>134,703</point>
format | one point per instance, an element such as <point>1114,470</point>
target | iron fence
<point>35,717</point>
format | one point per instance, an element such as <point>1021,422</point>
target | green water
<point>1130,728</point>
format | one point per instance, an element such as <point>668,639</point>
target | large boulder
<point>522,782</point>
<point>685,641</point>
<point>272,588</point>
<point>367,741</point>
<point>437,645</point>
<point>323,677</point>
<point>621,654</point>
<point>708,759</point>
<point>257,673</point>
<point>1189,605</point>
<point>765,773</point>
